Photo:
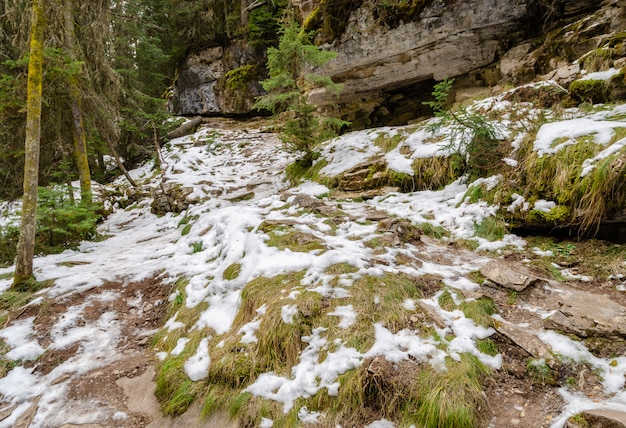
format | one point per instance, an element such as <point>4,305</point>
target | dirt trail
<point>119,391</point>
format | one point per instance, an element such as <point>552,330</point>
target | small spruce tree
<point>287,87</point>
<point>471,133</point>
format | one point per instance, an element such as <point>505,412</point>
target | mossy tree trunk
<point>28,227</point>
<point>80,143</point>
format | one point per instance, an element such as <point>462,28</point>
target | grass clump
<point>186,229</point>
<point>479,192</point>
<point>236,363</point>
<point>434,173</point>
<point>491,228</point>
<point>487,346</point>
<point>18,296</point>
<point>341,269</point>
<point>388,143</point>
<point>446,301</point>
<point>578,421</point>
<point>232,271</point>
<point>583,200</point>
<point>452,398</point>
<point>174,390</point>
<point>437,232</point>
<point>539,371</point>
<point>480,311</point>
<point>287,237</point>
<point>407,392</point>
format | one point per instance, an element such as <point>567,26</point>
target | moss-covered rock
<point>589,90</point>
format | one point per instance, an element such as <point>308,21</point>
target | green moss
<point>598,59</point>
<point>238,79</point>
<point>592,90</point>
<point>405,182</point>
<point>560,214</point>
<point>301,170</point>
<point>332,19</point>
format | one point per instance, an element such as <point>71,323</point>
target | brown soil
<point>140,307</point>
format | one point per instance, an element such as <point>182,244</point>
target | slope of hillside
<point>301,305</point>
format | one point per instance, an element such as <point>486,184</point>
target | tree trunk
<point>80,143</point>
<point>28,227</point>
<point>157,148</point>
<point>119,163</point>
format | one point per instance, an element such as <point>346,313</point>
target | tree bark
<point>28,227</point>
<point>80,143</point>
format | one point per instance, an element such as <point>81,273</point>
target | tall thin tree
<point>80,143</point>
<point>28,227</point>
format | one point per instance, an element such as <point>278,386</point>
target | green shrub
<point>63,223</point>
<point>472,134</point>
<point>9,236</point>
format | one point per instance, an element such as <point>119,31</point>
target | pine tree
<point>287,87</point>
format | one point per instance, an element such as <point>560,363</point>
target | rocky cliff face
<point>217,82</point>
<point>387,72</point>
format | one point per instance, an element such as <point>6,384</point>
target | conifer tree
<point>290,80</point>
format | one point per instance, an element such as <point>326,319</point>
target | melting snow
<point>217,166</point>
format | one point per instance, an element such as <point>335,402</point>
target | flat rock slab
<point>589,315</point>
<point>602,418</point>
<point>526,340</point>
<point>513,276</point>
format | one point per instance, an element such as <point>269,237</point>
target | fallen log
<point>186,128</point>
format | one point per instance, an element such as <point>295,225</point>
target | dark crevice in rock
<point>609,231</point>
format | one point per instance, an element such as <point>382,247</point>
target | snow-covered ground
<point>222,166</point>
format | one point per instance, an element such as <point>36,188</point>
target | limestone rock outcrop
<point>449,40</point>
<point>388,70</point>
